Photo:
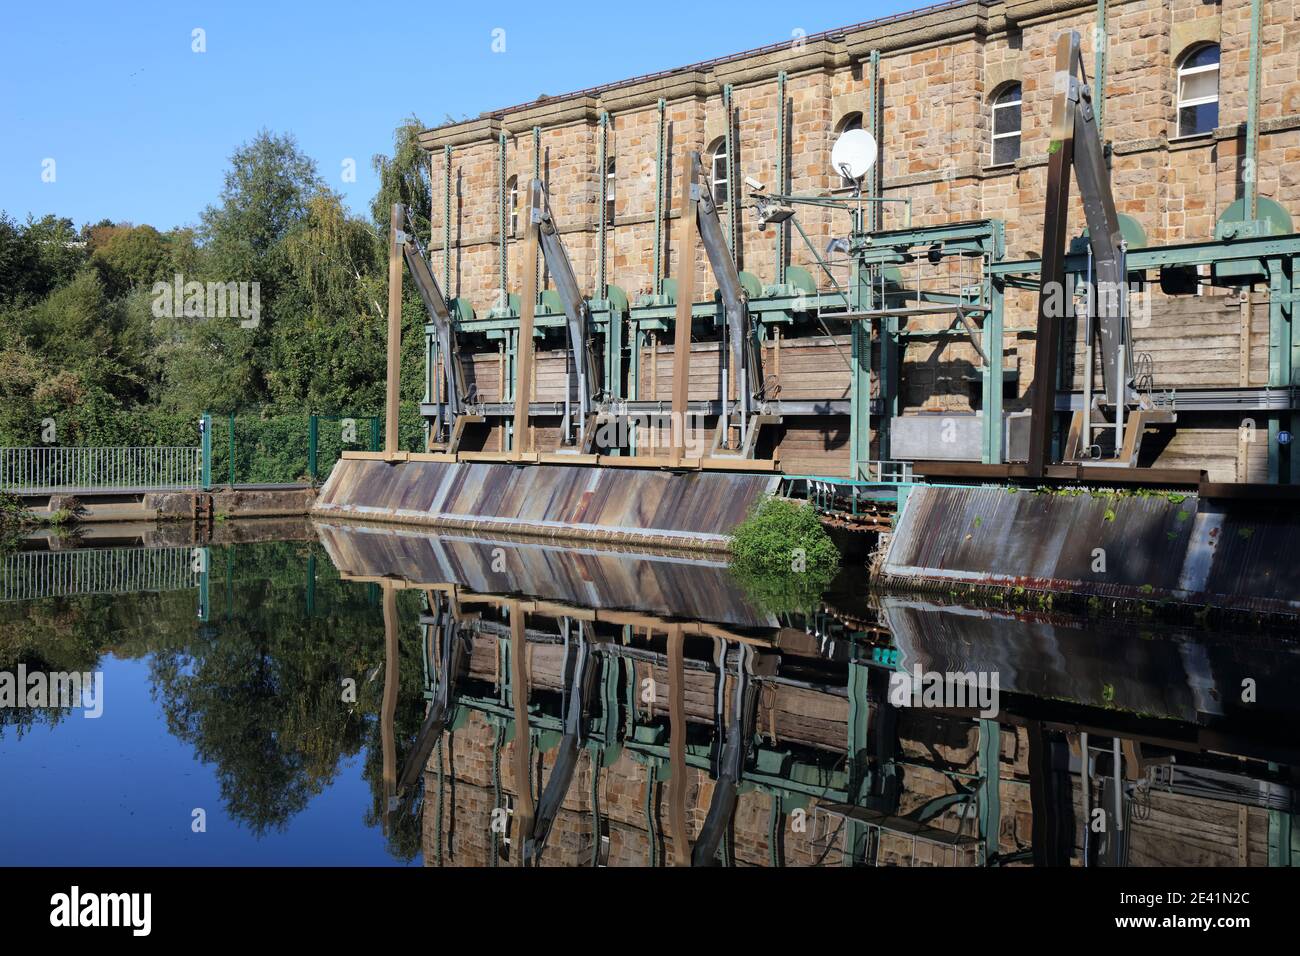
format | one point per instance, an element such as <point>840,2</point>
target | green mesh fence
<point>275,447</point>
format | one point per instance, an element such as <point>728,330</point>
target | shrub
<point>782,556</point>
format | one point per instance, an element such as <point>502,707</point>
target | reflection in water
<point>707,732</point>
<point>507,703</point>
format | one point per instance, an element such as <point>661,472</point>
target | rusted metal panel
<point>666,585</point>
<point>1183,673</point>
<point>1150,547</point>
<point>694,510</point>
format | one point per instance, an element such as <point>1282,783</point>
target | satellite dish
<point>854,153</point>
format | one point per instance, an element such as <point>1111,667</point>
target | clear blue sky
<point>140,127</point>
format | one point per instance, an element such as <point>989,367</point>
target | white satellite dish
<point>854,153</point>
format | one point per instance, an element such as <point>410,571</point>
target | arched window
<point>609,192</point>
<point>512,197</point>
<point>1005,125</point>
<point>718,170</point>
<point>1198,90</point>
<point>850,121</point>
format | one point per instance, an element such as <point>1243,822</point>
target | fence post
<point>205,441</point>
<point>232,450</point>
<point>313,433</point>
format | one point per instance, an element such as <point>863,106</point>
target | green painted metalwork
<point>733,192</point>
<point>989,796</point>
<point>1190,254</point>
<point>1100,41</point>
<point>503,222</point>
<point>860,380</point>
<point>875,118</point>
<point>313,441</point>
<point>992,385</point>
<point>446,220</point>
<point>205,603</point>
<point>1283,361</point>
<point>602,237</point>
<point>782,149</point>
<point>1250,174</point>
<point>859,737</point>
<point>230,435</point>
<point>205,442</point>
<point>659,196</point>
<point>537,174</point>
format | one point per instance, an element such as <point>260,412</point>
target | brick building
<point>964,97</point>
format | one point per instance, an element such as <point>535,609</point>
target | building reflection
<point>669,721</point>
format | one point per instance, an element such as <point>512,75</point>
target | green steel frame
<point>1272,256</point>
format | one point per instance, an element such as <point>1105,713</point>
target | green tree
<point>131,258</point>
<point>404,178</point>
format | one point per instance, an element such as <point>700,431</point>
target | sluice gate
<point>603,578</point>
<point>1230,554</point>
<point>693,511</point>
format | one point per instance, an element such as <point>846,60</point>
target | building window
<point>609,192</point>
<point>512,195</point>
<point>1006,125</point>
<point>851,121</point>
<point>1198,90</point>
<point>718,170</point>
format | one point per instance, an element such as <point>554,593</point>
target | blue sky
<point>140,127</point>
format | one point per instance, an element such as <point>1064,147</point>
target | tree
<point>266,194</point>
<point>131,258</point>
<point>59,251</point>
<point>403,178</point>
<point>19,261</point>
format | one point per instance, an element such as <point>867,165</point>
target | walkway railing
<point>27,575</point>
<point>85,469</point>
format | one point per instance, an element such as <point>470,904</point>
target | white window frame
<point>719,152</point>
<point>512,190</point>
<point>1180,103</point>
<point>994,135</point>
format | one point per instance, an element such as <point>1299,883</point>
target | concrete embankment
<point>265,501</point>
<point>1238,555</point>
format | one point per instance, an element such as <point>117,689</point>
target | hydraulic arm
<point>452,405</point>
<point>577,314</point>
<point>744,367</point>
<point>1077,144</point>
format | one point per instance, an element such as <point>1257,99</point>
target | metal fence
<point>76,469</point>
<point>27,575</point>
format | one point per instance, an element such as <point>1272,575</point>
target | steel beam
<point>397,216</point>
<point>687,253</point>
<point>527,307</point>
<point>1056,214</point>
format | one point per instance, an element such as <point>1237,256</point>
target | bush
<point>14,518</point>
<point>782,556</point>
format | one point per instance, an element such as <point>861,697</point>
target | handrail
<point>59,468</point>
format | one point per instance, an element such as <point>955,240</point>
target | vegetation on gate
<point>782,556</point>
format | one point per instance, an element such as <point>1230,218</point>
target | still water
<point>352,695</point>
